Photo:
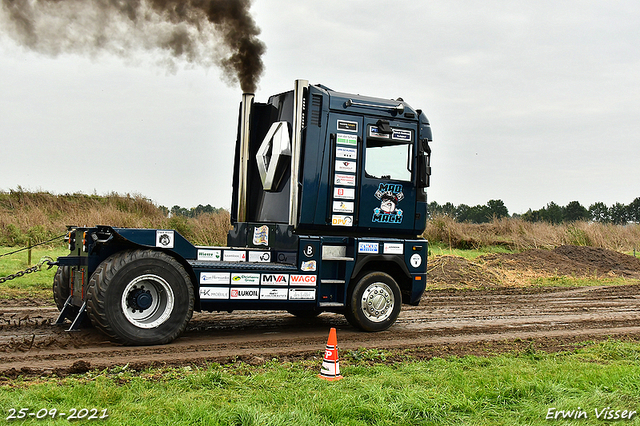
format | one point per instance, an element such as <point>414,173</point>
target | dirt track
<point>446,322</point>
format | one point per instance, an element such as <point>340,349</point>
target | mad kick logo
<point>389,195</point>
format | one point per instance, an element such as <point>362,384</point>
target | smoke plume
<point>193,32</point>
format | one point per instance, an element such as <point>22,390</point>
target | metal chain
<point>49,261</point>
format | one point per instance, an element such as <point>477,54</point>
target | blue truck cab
<point>329,202</point>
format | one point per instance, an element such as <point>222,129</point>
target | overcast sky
<point>529,102</point>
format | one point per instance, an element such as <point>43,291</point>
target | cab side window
<point>388,156</point>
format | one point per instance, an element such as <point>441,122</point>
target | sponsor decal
<point>368,247</point>
<point>393,248</point>
<point>340,220</point>
<point>273,293</point>
<point>259,256</point>
<point>345,166</point>
<point>300,294</point>
<point>214,293</point>
<point>309,250</point>
<point>344,193</point>
<point>245,293</point>
<point>308,280</point>
<point>401,135</point>
<point>375,133</point>
<point>215,277</point>
<point>346,180</point>
<point>349,126</point>
<point>275,279</point>
<point>234,256</point>
<point>343,206</point>
<point>245,278</point>
<point>164,239</point>
<point>416,260</point>
<point>344,152</point>
<point>389,195</point>
<point>261,235</point>
<point>308,266</point>
<point>343,139</point>
<point>207,254</point>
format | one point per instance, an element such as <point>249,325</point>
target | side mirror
<point>424,165</point>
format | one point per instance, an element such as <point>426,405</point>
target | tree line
<point>618,213</point>
<point>193,212</point>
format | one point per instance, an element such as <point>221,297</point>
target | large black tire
<point>140,297</point>
<point>374,302</point>
<point>61,286</point>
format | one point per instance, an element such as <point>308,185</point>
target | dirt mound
<point>567,260</point>
<point>458,272</point>
<point>518,269</point>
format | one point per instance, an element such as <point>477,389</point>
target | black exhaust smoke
<point>198,32</point>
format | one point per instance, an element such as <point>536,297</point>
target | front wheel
<point>374,302</point>
<point>140,297</point>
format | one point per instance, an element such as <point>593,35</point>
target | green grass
<point>37,284</point>
<point>501,390</point>
<point>568,281</point>
<point>438,249</point>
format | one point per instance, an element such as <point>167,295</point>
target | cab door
<point>388,190</point>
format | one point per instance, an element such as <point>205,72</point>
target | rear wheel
<point>62,286</point>
<point>374,302</point>
<point>140,297</point>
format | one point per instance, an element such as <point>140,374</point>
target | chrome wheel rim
<point>147,301</point>
<point>377,302</point>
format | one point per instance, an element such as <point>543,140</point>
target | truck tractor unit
<point>329,202</point>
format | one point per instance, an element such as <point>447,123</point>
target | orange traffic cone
<point>330,367</point>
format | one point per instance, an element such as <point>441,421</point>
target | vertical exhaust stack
<point>243,178</point>
<point>296,147</point>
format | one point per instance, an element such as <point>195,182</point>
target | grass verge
<point>514,388</point>
<point>440,249</point>
<point>34,285</point>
